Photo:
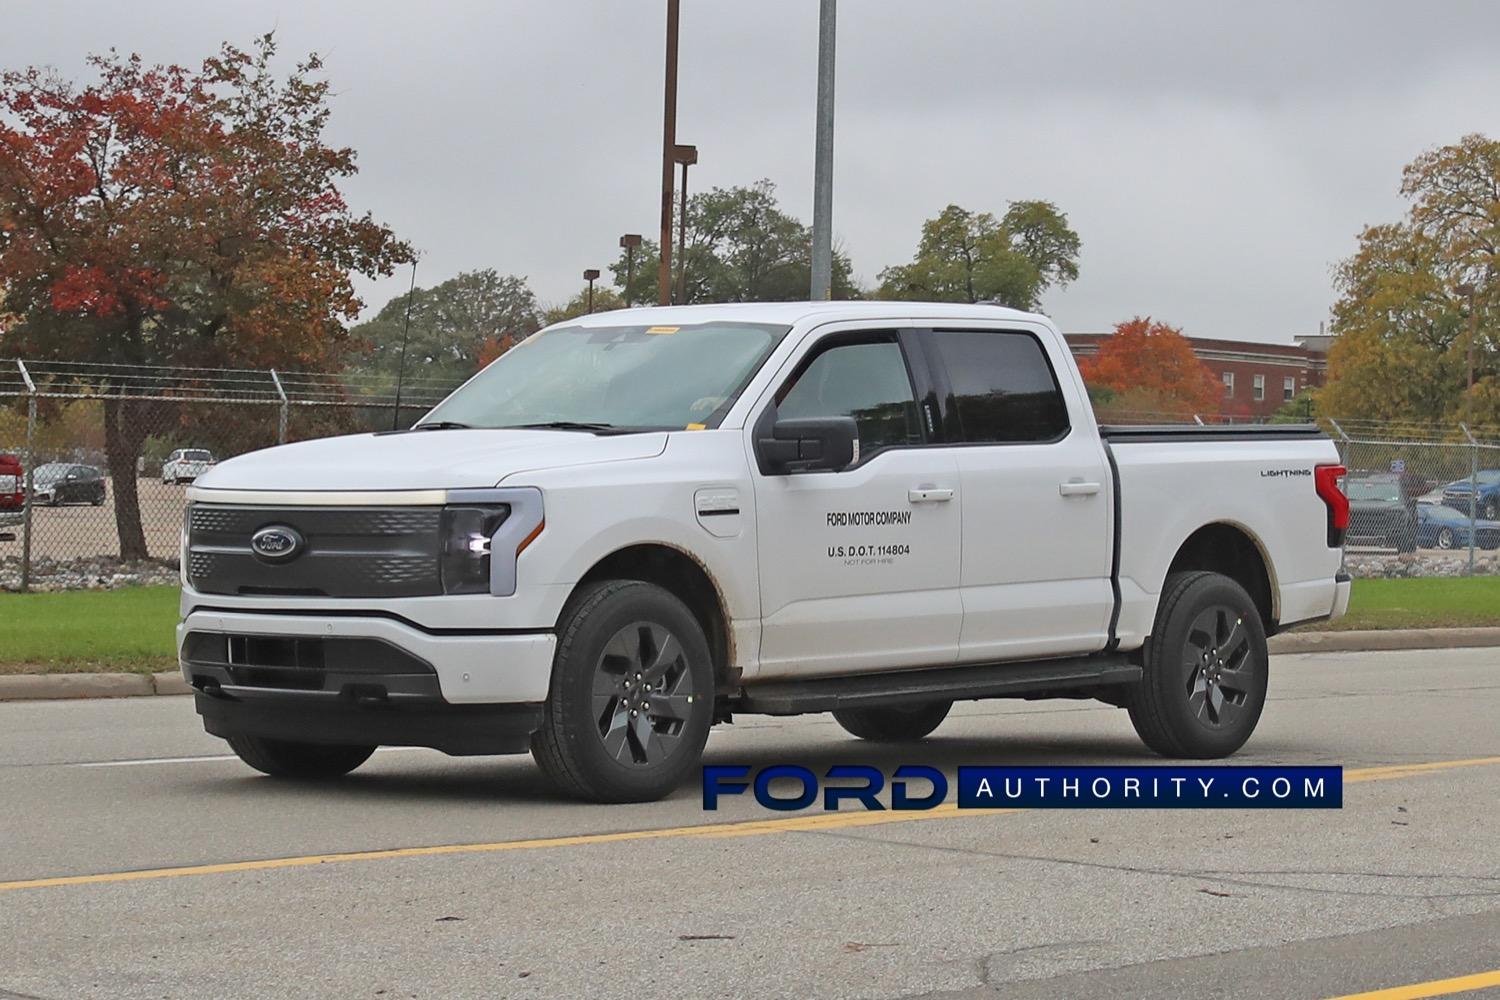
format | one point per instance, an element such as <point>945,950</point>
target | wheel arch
<point>1236,552</point>
<point>683,575</point>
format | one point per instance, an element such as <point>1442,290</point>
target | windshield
<point>49,472</point>
<point>1374,491</point>
<point>636,377</point>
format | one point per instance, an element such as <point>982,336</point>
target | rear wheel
<point>285,759</point>
<point>900,724</point>
<point>1206,668</point>
<point>1446,539</point>
<point>632,695</point>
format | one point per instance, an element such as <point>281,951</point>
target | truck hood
<point>423,460</point>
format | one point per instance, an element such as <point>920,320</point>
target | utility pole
<point>822,227</point>
<point>1469,290</point>
<point>668,143</point>
<point>629,242</point>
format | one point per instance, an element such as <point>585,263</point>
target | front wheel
<point>1206,667</point>
<point>632,695</point>
<point>1491,510</point>
<point>1446,539</point>
<point>901,724</point>
<point>285,759</point>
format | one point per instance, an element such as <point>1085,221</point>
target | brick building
<point>1258,378</point>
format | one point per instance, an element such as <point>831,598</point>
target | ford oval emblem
<point>276,542</point>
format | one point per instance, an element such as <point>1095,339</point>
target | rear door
<point>859,568</point>
<point>1037,502</point>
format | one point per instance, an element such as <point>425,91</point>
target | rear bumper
<point>1342,585</point>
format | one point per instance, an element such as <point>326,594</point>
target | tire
<point>309,761</point>
<point>1185,705</point>
<point>1445,539</point>
<point>594,743</point>
<point>1491,510</point>
<point>902,724</point>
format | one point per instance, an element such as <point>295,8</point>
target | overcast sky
<point>1216,158</point>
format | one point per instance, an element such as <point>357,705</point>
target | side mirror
<point>809,444</point>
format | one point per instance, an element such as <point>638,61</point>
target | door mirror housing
<point>809,444</point>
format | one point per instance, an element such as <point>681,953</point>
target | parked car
<point>1486,501</point>
<point>1442,527</point>
<point>12,483</point>
<point>57,483</point>
<point>649,521</point>
<point>186,464</point>
<point>1380,513</point>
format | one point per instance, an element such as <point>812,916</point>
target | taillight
<point>1326,479</point>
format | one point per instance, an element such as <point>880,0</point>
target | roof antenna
<point>405,332</point>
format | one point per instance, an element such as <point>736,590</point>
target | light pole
<point>591,275</point>
<point>1468,290</point>
<point>629,242</point>
<point>668,143</point>
<point>687,156</point>
<point>822,228</point>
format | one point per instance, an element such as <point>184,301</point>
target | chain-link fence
<point>107,451</point>
<point>1423,500</point>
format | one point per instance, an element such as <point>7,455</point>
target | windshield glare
<point>638,377</point>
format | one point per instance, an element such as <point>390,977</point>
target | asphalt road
<point>138,862</point>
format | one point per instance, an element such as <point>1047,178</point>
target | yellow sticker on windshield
<point>696,427</point>
<point>663,330</point>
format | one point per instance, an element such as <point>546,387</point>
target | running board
<point>968,682</point>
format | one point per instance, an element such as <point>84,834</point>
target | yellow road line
<point>1433,988</point>
<point>748,828</point>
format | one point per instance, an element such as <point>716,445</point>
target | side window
<point>1003,386</point>
<point>867,381</point>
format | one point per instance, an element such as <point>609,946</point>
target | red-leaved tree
<point>1151,366</point>
<point>159,215</point>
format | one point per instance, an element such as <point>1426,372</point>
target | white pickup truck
<point>637,523</point>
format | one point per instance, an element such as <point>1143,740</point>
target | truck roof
<point>790,313</point>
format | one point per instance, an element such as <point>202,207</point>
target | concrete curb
<point>26,687</point>
<point>1384,639</point>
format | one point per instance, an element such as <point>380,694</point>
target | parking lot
<point>75,531</point>
<point>141,862</point>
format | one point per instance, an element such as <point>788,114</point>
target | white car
<point>639,523</point>
<point>186,464</point>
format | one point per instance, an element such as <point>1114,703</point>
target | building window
<point>1258,388</point>
<point>1228,384</point>
<point>1288,388</point>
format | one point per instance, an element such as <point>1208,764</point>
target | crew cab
<point>637,524</point>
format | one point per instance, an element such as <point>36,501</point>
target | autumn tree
<point>452,327</point>
<point>741,247</point>
<point>1147,366</point>
<point>1404,311</point>
<point>965,256</point>
<point>160,215</point>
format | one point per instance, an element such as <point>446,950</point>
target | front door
<point>859,568</point>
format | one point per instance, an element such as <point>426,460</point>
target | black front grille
<point>346,551</point>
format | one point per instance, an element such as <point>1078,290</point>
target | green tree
<point>1403,314</point>
<point>741,247</point>
<point>605,300</point>
<point>452,325</point>
<point>965,256</point>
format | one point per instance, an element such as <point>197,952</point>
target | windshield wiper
<point>565,425</point>
<point>443,425</point>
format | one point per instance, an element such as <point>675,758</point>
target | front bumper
<point>364,680</point>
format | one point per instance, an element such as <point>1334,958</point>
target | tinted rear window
<point>1004,389</point>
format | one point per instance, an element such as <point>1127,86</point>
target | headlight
<point>467,537</point>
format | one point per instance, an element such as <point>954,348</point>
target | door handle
<point>930,494</point>
<point>1076,488</point>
